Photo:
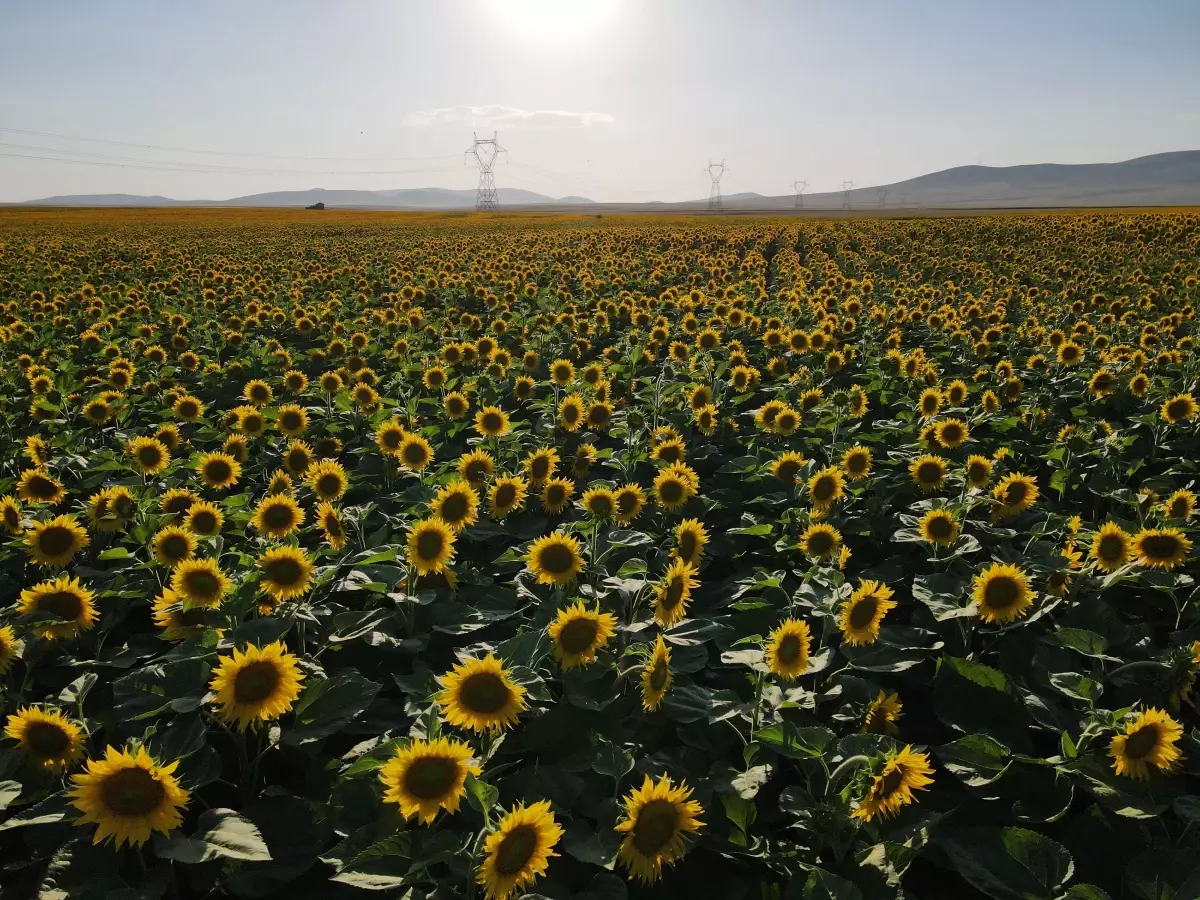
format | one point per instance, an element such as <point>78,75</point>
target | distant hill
<point>399,198</point>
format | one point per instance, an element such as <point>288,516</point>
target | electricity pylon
<point>485,152</point>
<point>715,171</point>
<point>800,185</point>
<point>881,195</point>
<point>847,187</point>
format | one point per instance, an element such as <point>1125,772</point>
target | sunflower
<point>219,470</point>
<point>327,479</point>
<point>507,494</point>
<point>787,465</point>
<point>204,519</point>
<point>286,574</point>
<point>479,694</point>
<point>820,541</point>
<point>656,676</point>
<point>252,423</point>
<point>39,486</point>
<point>555,559</point>
<point>1180,408</point>
<point>128,795</point>
<point>556,495</point>
<point>978,471</point>
<point>863,613</point>
<point>492,421</point>
<point>10,648</point>
<point>430,546</point>
<point>10,514</point>
<point>415,452</point>
<point>47,737</point>
<point>111,508</point>
<point>571,412</point>
<point>519,850</point>
<point>787,649</point>
<point>256,685</point>
<point>657,817</point>
<point>389,436</point>
<point>882,714</point>
<point>476,466</point>
<point>691,537</point>
<point>427,776</point>
<point>903,772</point>
<point>562,372</point>
<point>172,545</point>
<point>826,487</point>
<point>631,500</point>
<point>669,451</point>
<point>297,457</point>
<point>281,483</point>
<point>578,633</point>
<point>1111,547</point>
<point>787,420</point>
<point>55,541</point>
<point>952,433</point>
<point>277,516</point>
<point>928,472</point>
<point>150,455</point>
<point>456,405</point>
<point>177,622</point>
<point>1015,493</point>
<point>1001,593</point>
<point>930,402</point>
<point>599,503</point>
<point>330,521</point>
<point>1180,505</point>
<point>199,582</point>
<point>541,464</point>
<point>856,462</point>
<point>1149,740</point>
<point>1161,548</point>
<point>674,486</point>
<point>674,592</point>
<point>456,504</point>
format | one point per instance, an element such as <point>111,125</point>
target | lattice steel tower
<point>847,187</point>
<point>800,185</point>
<point>715,171</point>
<point>881,195</point>
<point>485,152</point>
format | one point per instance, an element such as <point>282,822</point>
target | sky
<point>614,100</point>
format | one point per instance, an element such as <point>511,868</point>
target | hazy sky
<point>609,99</point>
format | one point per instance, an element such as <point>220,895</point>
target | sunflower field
<point>462,556</point>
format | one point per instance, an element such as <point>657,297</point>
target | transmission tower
<point>800,185</point>
<point>847,187</point>
<point>881,195</point>
<point>715,171</point>
<point>485,152</point>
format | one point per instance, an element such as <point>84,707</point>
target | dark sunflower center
<point>455,507</point>
<point>131,793</point>
<point>430,777</point>
<point>174,546</point>
<point>285,572</point>
<point>201,584</point>
<point>598,415</point>
<point>857,463</point>
<point>929,406</point>
<point>786,421</point>
<point>557,559</point>
<point>657,823</point>
<point>254,424</point>
<point>627,503</point>
<point>149,456</point>
<point>788,649</point>
<point>12,518</point>
<point>289,420</point>
<point>484,692</point>
<point>571,413</point>
<point>218,470</point>
<point>540,468</point>
<point>505,495</point>
<point>940,527</point>
<point>673,594</point>
<point>951,434</point>
<point>515,851</point>
<point>1142,741</point>
<point>892,781</point>
<point>476,471</point>
<point>671,490</point>
<point>328,485</point>
<point>600,505</point>
<point>41,487</point>
<point>256,682</point>
<point>47,739</point>
<point>456,407</point>
<point>1111,547</point>
<point>669,453</point>
<point>863,612</point>
<point>278,515</point>
<point>824,488</point>
<point>1160,546</point>
<point>555,495</point>
<point>1015,494</point>
<point>204,522</point>
<point>788,469</point>
<point>578,635</point>
<point>658,675</point>
<point>430,544</point>
<point>1177,409</point>
<point>687,545</point>
<point>929,473</point>
<point>1001,592</point>
<point>820,543</point>
<point>977,473</point>
<point>55,540</point>
<point>196,617</point>
<point>297,461</point>
<point>491,422</point>
<point>414,454</point>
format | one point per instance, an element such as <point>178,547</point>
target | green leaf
<point>821,885</point>
<point>9,791</point>
<point>796,742</point>
<point>1009,863</point>
<point>976,759</point>
<point>220,834</point>
<point>1085,892</point>
<point>1164,875</point>
<point>328,706</point>
<point>481,795</point>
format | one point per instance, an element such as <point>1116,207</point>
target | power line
<point>167,167</point>
<point>485,152</point>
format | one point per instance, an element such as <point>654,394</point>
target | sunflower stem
<point>845,766</point>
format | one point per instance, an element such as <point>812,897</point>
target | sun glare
<point>554,18</point>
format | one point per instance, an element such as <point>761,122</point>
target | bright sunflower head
<point>430,546</point>
<point>111,508</point>
<point>456,504</point>
<point>172,545</point>
<point>256,685</point>
<point>327,479</point>
<point>297,457</point>
<point>787,649</point>
<point>787,465</point>
<point>856,462</point>
<point>1149,740</point>
<point>1001,593</point>
<point>415,452</point>
<point>930,402</point>
<point>1014,493</point>
<point>882,714</point>
<point>477,466</point>
<point>556,495</point>
<point>277,516</point>
<point>979,471</point>
<point>389,436</point>
<point>219,470</point>
<point>149,455</point>
<point>506,495</point>
<point>541,464</point>
<point>903,772</point>
<point>47,737</point>
<point>863,613</point>
<point>674,592</point>
<point>1161,548</point>
<point>578,633</point>
<point>1180,505</point>
<point>826,487</point>
<point>669,451</point>
<point>656,676</point>
<point>427,776</point>
<point>555,559</point>
<point>128,795</point>
<point>199,582</point>
<point>204,519</point>
<point>39,486</point>
<point>178,623</point>
<point>54,542</point>
<point>10,515</point>
<point>658,816</point>
<point>820,541</point>
<point>928,472</point>
<point>631,500</point>
<point>691,537</point>
<point>1111,547</point>
<point>599,503</point>
<point>1180,408</point>
<point>952,433</point>
<point>286,573</point>
<point>251,421</point>
<point>492,421</point>
<point>332,528</point>
<point>938,526</point>
<point>674,486</point>
<point>480,695</point>
<point>519,850</point>
<point>10,648</point>
<point>571,412</point>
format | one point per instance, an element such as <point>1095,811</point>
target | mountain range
<point>1163,179</point>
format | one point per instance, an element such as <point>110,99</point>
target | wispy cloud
<point>505,117</point>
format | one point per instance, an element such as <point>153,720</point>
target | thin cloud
<point>505,117</point>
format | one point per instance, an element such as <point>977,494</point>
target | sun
<point>553,18</point>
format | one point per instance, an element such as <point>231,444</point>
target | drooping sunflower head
<point>428,776</point>
<point>658,817</point>
<point>128,795</point>
<point>46,737</point>
<point>507,494</point>
<point>863,613</point>
<point>928,472</point>
<point>938,526</point>
<point>787,649</point>
<point>256,685</point>
<point>555,559</point>
<point>331,524</point>
<point>479,694</point>
<point>1149,741</point>
<point>903,772</point>
<point>430,546</point>
<point>882,714</point>
<point>286,573</point>
<point>826,487</point>
<point>519,850</point>
<point>674,592</point>
<point>1001,593</point>
<point>1161,548</point>
<point>656,676</point>
<point>55,542</point>
<point>579,633</point>
<point>10,514</point>
<point>10,648</point>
